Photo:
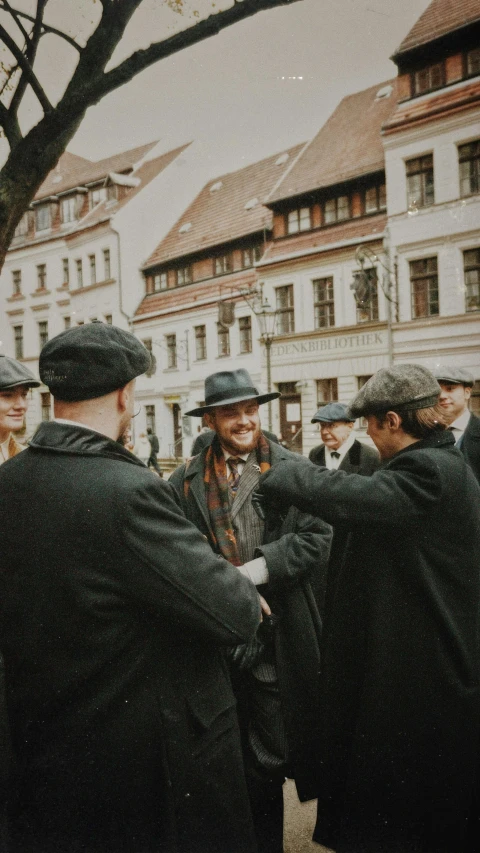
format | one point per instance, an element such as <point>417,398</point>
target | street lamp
<point>267,319</point>
<point>364,282</point>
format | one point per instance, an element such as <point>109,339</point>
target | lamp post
<point>362,287</point>
<point>267,318</point>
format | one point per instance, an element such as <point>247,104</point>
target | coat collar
<point>54,437</point>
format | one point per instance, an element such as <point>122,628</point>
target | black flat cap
<point>403,388</point>
<point>13,373</point>
<point>230,386</point>
<point>454,375</point>
<point>332,412</point>
<point>91,361</point>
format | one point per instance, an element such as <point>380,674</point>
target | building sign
<point>335,344</point>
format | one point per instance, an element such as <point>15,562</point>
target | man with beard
<point>400,698</point>
<point>276,678</point>
<point>113,612</point>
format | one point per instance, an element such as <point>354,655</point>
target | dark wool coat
<point>400,658</point>
<point>360,459</point>
<point>113,612</point>
<point>294,547</point>
<point>470,445</point>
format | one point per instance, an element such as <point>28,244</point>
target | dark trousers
<point>266,801</point>
<point>153,463</point>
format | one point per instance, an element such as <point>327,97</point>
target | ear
<point>209,420</point>
<point>468,392</point>
<point>125,395</point>
<point>393,420</point>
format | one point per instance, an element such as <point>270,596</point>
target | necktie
<point>234,475</point>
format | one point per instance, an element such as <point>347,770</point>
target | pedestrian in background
<point>456,384</point>
<point>15,383</point>
<point>276,678</point>
<point>400,664</point>
<point>154,450</point>
<point>113,614</point>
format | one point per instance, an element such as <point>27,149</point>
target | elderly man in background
<point>456,384</point>
<point>113,613</point>
<point>340,448</point>
<point>15,383</point>
<point>400,665</point>
<point>275,679</point>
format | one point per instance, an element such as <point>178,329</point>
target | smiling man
<point>277,698</point>
<point>15,383</point>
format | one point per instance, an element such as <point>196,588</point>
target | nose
<point>20,403</point>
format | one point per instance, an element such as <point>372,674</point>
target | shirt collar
<point>461,422</point>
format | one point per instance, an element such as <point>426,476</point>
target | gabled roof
<point>349,145</point>
<point>439,18</point>
<point>228,208</point>
<point>143,175</point>
<point>72,171</point>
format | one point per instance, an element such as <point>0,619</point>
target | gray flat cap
<point>13,374</point>
<point>331,413</point>
<point>454,375</point>
<point>403,388</point>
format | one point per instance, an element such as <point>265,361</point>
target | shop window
<point>327,391</point>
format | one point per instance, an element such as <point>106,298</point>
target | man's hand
<point>265,606</point>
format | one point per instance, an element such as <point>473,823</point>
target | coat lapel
<point>197,489</point>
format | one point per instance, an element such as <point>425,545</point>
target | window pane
<point>292,224</point>
<point>330,211</point>
<point>304,219</point>
<point>343,207</point>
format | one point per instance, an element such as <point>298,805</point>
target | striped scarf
<point>218,495</point>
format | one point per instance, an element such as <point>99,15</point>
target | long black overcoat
<point>295,546</point>
<point>113,613</point>
<point>470,445</point>
<point>400,654</point>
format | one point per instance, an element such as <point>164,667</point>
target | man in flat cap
<point>276,678</point>
<point>456,384</point>
<point>400,667</point>
<point>15,383</point>
<point>113,615</point>
<point>340,448</point>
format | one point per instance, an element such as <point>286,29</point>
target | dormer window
<point>298,220</point>
<point>222,264</point>
<point>43,217</point>
<point>375,199</point>
<point>22,228</point>
<point>97,195</point>
<point>429,78</point>
<point>336,209</point>
<point>68,209</point>
<point>473,62</point>
<point>112,192</point>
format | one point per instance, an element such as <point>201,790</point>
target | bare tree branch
<point>97,87</point>
<point>46,28</point>
<point>30,53</point>
<point>10,126</point>
<point>16,18</point>
<point>26,68</point>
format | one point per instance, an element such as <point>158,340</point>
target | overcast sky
<point>250,91</point>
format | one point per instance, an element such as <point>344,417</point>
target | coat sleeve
<point>169,567</point>
<point>301,548</point>
<point>400,493</point>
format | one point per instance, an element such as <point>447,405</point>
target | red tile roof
<point>145,173</point>
<point>72,171</point>
<point>439,18</point>
<point>348,145</point>
<point>353,229</point>
<point>445,103</point>
<point>228,207</point>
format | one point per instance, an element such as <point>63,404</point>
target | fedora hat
<point>230,386</point>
